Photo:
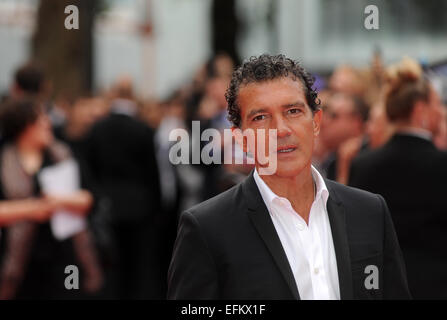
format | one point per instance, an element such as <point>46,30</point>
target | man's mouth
<point>286,149</point>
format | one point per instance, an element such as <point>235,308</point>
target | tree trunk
<point>225,28</point>
<point>65,54</point>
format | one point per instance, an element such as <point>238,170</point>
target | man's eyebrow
<point>296,104</point>
<point>255,111</point>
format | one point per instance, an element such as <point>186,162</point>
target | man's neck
<point>415,131</point>
<point>299,190</point>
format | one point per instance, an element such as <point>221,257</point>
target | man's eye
<point>294,111</point>
<point>260,117</point>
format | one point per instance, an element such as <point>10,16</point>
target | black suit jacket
<point>228,248</point>
<point>120,150</point>
<point>410,173</point>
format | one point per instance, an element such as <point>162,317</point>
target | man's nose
<point>282,127</point>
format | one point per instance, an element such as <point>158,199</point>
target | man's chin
<point>288,171</point>
<point>283,167</point>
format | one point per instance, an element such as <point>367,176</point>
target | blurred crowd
<point>384,130</point>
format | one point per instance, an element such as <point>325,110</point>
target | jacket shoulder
<point>353,197</point>
<point>219,206</point>
<point>365,211</point>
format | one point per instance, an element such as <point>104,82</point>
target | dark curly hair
<point>263,68</point>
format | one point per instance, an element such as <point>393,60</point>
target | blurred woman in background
<point>32,260</point>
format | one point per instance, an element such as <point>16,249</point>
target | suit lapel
<point>337,219</point>
<point>260,217</point>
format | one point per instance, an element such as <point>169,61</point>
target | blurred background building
<point>161,43</point>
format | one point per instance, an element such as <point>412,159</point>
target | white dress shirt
<point>309,248</point>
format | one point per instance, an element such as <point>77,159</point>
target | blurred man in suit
<point>120,151</point>
<point>410,173</point>
<point>290,234</point>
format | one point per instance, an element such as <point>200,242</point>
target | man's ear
<point>238,136</point>
<point>317,117</point>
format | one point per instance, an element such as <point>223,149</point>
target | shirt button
<point>316,270</point>
<point>300,226</point>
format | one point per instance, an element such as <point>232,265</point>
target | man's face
<point>281,104</point>
<point>340,123</point>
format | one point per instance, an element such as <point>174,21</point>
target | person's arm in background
<point>395,285</point>
<point>40,209</point>
<point>346,153</point>
<point>36,209</point>
<point>78,202</point>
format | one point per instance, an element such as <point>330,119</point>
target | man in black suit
<point>120,151</point>
<point>290,234</point>
<point>410,173</point>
